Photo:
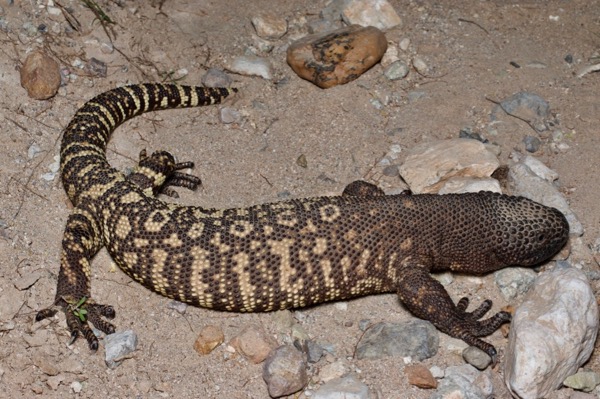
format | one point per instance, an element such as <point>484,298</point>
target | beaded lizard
<point>288,254</point>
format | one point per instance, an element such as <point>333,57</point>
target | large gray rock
<point>552,333</point>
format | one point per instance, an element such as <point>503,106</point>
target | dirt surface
<point>468,48</point>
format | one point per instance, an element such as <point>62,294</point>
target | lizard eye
<point>541,237</point>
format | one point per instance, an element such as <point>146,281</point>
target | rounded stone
<point>337,57</point>
<point>40,76</point>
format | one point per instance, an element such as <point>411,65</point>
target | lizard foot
<point>79,315</point>
<point>469,327</point>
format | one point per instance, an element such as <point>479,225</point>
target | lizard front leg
<point>427,299</point>
<point>81,241</point>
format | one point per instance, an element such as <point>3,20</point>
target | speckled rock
<point>40,76</point>
<point>337,57</point>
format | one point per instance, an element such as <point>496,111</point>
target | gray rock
<point>334,370</point>
<point>464,382</point>
<point>552,333</point>
<point>333,11</point>
<point>118,346</point>
<point>377,13</point>
<point>429,165</point>
<point>33,151</point>
<point>314,351</point>
<point>418,339</point>
<point>285,371</point>
<point>532,143</point>
<point>527,106</point>
<point>583,381</point>
<point>252,65</point>
<point>476,357</point>
<point>523,181</point>
<point>177,306</point>
<point>230,115</point>
<point>216,78</point>
<point>514,281</point>
<point>343,388</point>
<point>539,168</point>
<point>396,70</point>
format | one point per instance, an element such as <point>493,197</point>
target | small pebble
<point>420,376</point>
<point>230,115</point>
<point>209,338</point>
<point>404,43</point>
<point>216,78</point>
<point>334,370</point>
<point>177,306</point>
<point>76,386</point>
<point>476,357</point>
<point>569,59</point>
<point>96,68</point>
<point>420,65</point>
<point>315,351</point>
<point>396,70</point>
<point>33,151</point>
<point>532,143</point>
<point>253,343</point>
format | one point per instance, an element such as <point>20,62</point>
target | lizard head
<point>527,233</point>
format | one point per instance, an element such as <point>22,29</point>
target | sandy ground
<point>339,131</point>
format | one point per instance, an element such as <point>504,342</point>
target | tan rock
<point>40,76</point>
<point>429,165</point>
<point>420,376</point>
<point>377,13</point>
<point>337,57</point>
<point>210,337</point>
<point>254,344</point>
<point>269,25</point>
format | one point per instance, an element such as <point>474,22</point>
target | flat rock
<point>270,25</point>
<point>337,57</point>
<point>377,13</point>
<point>418,339</point>
<point>552,333</point>
<point>119,346</point>
<point>209,338</point>
<point>420,376</point>
<point>40,76</point>
<point>429,165</point>
<point>343,388</point>
<point>461,184</point>
<point>252,65</point>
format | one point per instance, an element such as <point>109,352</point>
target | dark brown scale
<point>297,253</point>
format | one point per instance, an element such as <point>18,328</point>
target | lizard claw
<point>79,316</point>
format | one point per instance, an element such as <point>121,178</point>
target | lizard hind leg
<point>157,173</point>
